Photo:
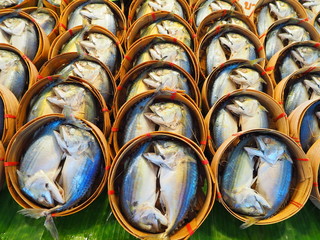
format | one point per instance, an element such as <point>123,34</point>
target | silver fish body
<point>287,66</point>
<point>39,167</point>
<point>223,126</point>
<point>215,55</point>
<point>310,129</point>
<point>178,177</point>
<point>166,52</point>
<point>13,73</point>
<point>297,95</point>
<point>264,20</point>
<point>138,192</point>
<point>45,20</point>
<point>273,43</point>
<point>172,117</point>
<point>251,113</point>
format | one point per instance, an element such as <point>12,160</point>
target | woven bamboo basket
<point>119,16</point>
<point>44,43</point>
<point>204,197</point>
<point>55,32</point>
<point>207,85</point>
<point>206,24</point>
<point>10,110</point>
<point>17,147</point>
<point>2,174</point>
<point>63,38</point>
<point>197,5</point>
<point>314,35</point>
<point>24,108</point>
<point>302,174</point>
<point>137,3</point>
<point>277,117</point>
<point>140,46</point>
<point>136,72</point>
<point>273,66</point>
<point>296,120</point>
<point>25,3</point>
<point>134,34</point>
<point>298,8</point>
<point>55,64</point>
<point>118,126</point>
<point>32,70</point>
<point>282,88</point>
<point>313,154</point>
<point>219,31</point>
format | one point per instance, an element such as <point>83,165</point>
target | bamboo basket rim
<point>141,68</point>
<point>305,173</point>
<point>113,199</point>
<point>173,96</point>
<point>10,169</point>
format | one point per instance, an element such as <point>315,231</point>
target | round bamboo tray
<point>298,8</point>
<point>277,117</point>
<point>204,197</point>
<point>273,66</point>
<point>31,68</point>
<point>17,147</point>
<point>24,108</point>
<point>137,3</point>
<point>282,88</point>
<point>313,154</point>
<point>206,24</point>
<point>233,64</point>
<point>118,127</point>
<point>302,174</point>
<point>142,70</point>
<point>119,16</point>
<point>219,31</point>
<point>295,123</point>
<point>134,32</point>
<point>43,44</point>
<point>140,45</point>
<point>55,32</point>
<point>65,37</point>
<point>10,110</point>
<point>314,35</point>
<point>57,63</point>
<point>235,5</point>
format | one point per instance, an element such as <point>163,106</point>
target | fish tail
<point>34,213</point>
<point>51,227</point>
<point>249,222</point>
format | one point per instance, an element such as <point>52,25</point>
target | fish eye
<point>47,185</point>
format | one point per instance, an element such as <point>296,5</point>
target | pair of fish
<point>261,196</point>
<point>178,179</point>
<point>165,51</point>
<point>280,37</point>
<point>210,6</point>
<point>156,78</point>
<point>96,45</point>
<point>235,45</point>
<point>21,33</point>
<point>149,6</point>
<point>299,92</point>
<point>14,73</point>
<point>96,13</point>
<point>297,57</point>
<point>231,78</point>
<point>64,98</point>
<point>251,115</point>
<point>169,116</point>
<point>271,12</point>
<point>169,27</point>
<point>59,149</point>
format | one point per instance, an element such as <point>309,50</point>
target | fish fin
<point>253,152</point>
<point>62,144</point>
<point>157,160</point>
<point>51,227</point>
<point>249,222</point>
<point>34,212</point>
<point>21,177</point>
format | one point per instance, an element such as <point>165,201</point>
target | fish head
<point>244,106</point>
<point>305,55</point>
<point>246,76</point>
<point>220,5</point>
<point>86,70</point>
<point>164,79</point>
<point>163,147</point>
<point>41,188</point>
<point>8,59</point>
<point>293,33</point>
<point>162,5</point>
<point>14,26</point>
<point>281,9</point>
<point>94,11</point>
<point>234,41</point>
<point>314,84</point>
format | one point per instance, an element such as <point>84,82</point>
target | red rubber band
<point>70,32</point>
<point>153,15</point>
<point>9,164</point>
<point>219,195</point>
<point>119,88</point>
<point>260,49</point>
<point>270,69</point>
<point>9,116</point>
<point>50,78</point>
<point>209,137</point>
<point>298,205</point>
<point>281,103</point>
<point>107,168</point>
<point>173,95</point>
<point>204,142</point>
<point>316,45</point>
<point>263,73</point>
<point>175,40</point>
<point>39,77</point>
<point>205,161</point>
<point>148,135</point>
<point>111,192</point>
<point>128,58</point>
<point>189,228</point>
<point>224,12</point>
<point>129,17</point>
<point>303,20</point>
<point>280,116</point>
<point>262,35</point>
<point>217,29</point>
<point>237,134</point>
<point>171,64</point>
<point>1,159</point>
<point>114,129</point>
<point>105,110</point>
<point>309,70</point>
<point>64,26</point>
<point>194,35</point>
<point>303,159</point>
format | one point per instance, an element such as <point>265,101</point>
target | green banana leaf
<point>97,222</point>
